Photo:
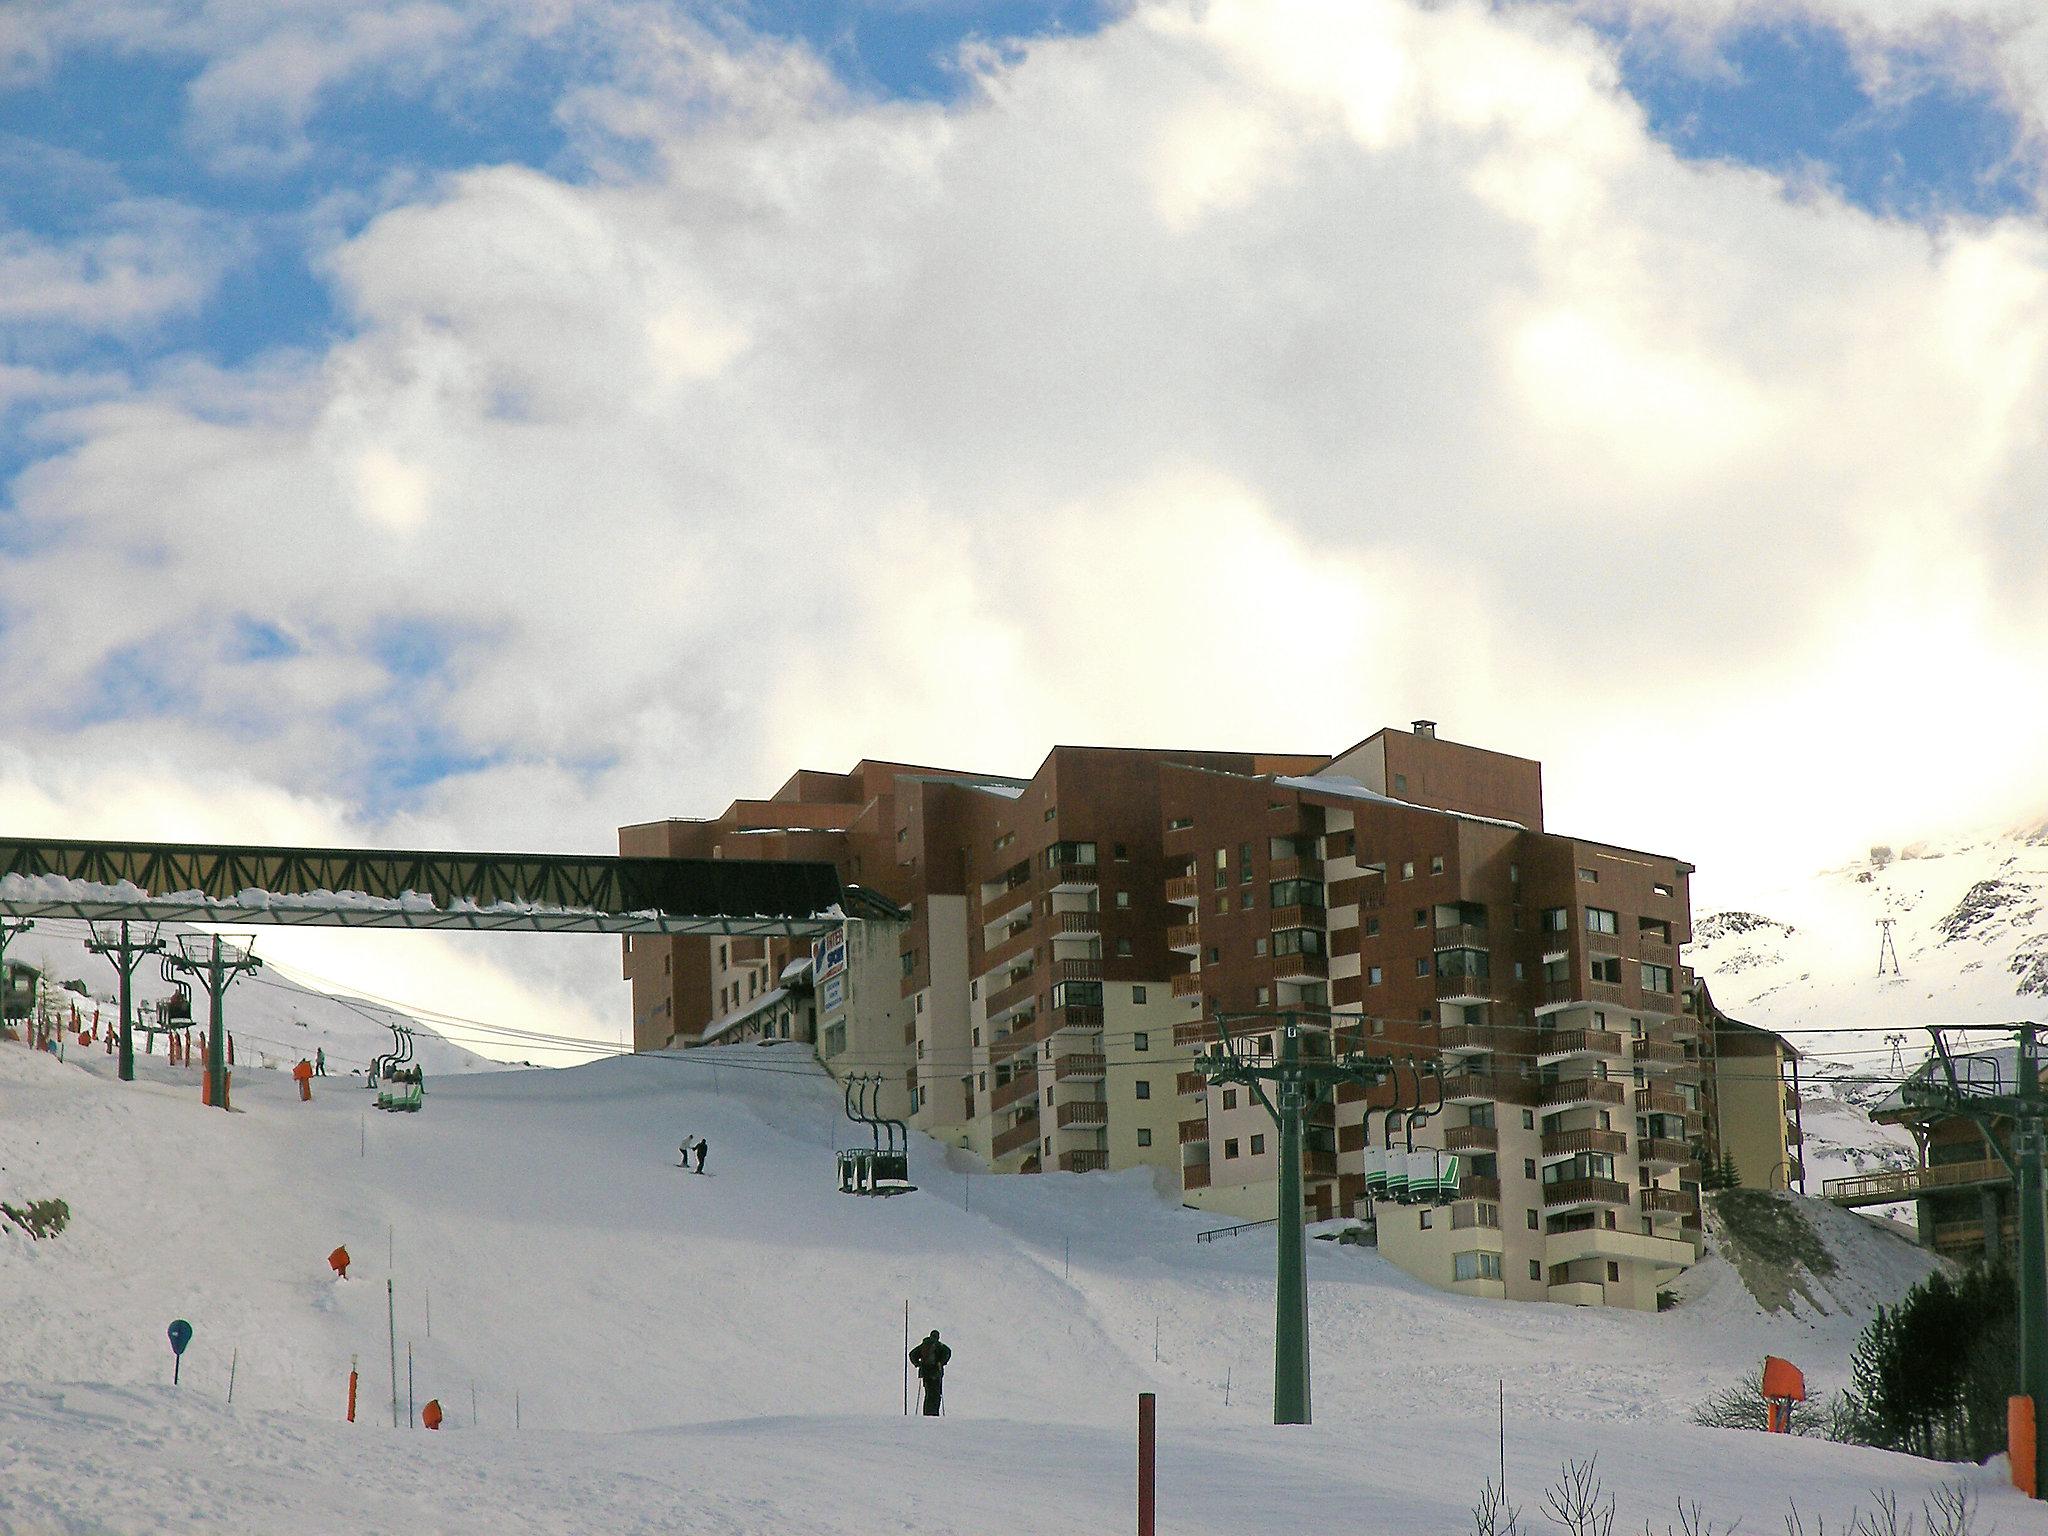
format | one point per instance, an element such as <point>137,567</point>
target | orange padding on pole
<point>2019,1441</point>
<point>431,1414</point>
<point>1783,1379</point>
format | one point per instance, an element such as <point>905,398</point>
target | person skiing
<point>930,1358</point>
<point>320,1061</point>
<point>684,1151</point>
<point>703,1146</point>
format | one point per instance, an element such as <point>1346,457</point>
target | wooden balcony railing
<point>1669,1202</point>
<point>1022,1134</point>
<point>1082,1112</point>
<point>1580,1090</point>
<point>1460,1137</point>
<point>1657,1101</point>
<point>1194,1130</point>
<point>1476,1186</point>
<point>1565,1143</point>
<point>1078,1066</point>
<point>1064,924</point>
<point>1077,970</point>
<point>1186,984</point>
<point>1194,1175</point>
<point>1183,888</point>
<point>1663,1150</point>
<point>1022,1087</point>
<point>1184,936</point>
<point>1578,1042</point>
<point>1587,1191</point>
<point>1083,1161</point>
<point>1188,1084</point>
<point>1906,1183</point>
<point>1004,998</point>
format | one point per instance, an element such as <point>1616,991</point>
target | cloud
<point>1244,374</point>
<point>144,260</point>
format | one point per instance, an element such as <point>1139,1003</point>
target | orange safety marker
<point>1783,1386</point>
<point>2019,1442</point>
<point>351,1389</point>
<point>339,1260</point>
<point>431,1414</point>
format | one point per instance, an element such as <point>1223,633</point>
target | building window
<point>1373,975</point>
<point>1613,1270</point>
<point>1141,1041</point>
<point>1265,996</point>
<point>1230,1098</point>
<point>1590,876</point>
<point>1656,978</point>
<point>1528,1119</point>
<point>1244,863</point>
<point>1123,901</point>
<point>1144,1136</point>
<point>1535,1269</point>
<point>1180,823</point>
<point>1408,870</point>
<point>1123,948</point>
<point>1607,969</point>
<point>909,962</point>
<point>1422,917</point>
<point>1143,1088</point>
<point>1215,955</point>
<point>1077,994</point>
<point>1528,1167</point>
<point>1137,994</point>
<point>665,961</point>
<point>1223,903</point>
<point>1222,866</point>
<point>1120,853</point>
<point>1535,1221</point>
<point>1372,926</point>
<point>1514,874</point>
<point>1258,1145</point>
<point>1230,1147</point>
<point>1436,864</point>
<point>1422,965</point>
<point>1428,1219</point>
<point>1475,1266</point>
<point>1005,840</point>
<point>1051,812</point>
<point>920,1002</point>
<point>1600,920</point>
<point>1248,900</point>
<point>1258,946</point>
<point>1555,920</point>
<point>1660,889</point>
<point>1400,782</point>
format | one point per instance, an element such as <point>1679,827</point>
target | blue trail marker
<point>181,1335</point>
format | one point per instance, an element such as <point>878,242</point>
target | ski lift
<point>882,1168</point>
<point>400,1085</point>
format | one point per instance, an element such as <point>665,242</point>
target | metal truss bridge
<point>371,888</point>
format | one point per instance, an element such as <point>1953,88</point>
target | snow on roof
<point>1348,788</point>
<point>796,968</point>
<point>732,1021</point>
<point>1991,1069</point>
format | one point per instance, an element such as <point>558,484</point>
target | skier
<point>703,1146</point>
<point>930,1358</point>
<point>684,1151</point>
<point>320,1062</point>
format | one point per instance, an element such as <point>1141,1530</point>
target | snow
<point>1350,789</point>
<point>722,1354</point>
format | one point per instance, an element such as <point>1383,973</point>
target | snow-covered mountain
<point>274,1019</point>
<point>1968,943</point>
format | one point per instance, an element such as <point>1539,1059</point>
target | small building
<point>1750,1099</point>
<point>18,984</point>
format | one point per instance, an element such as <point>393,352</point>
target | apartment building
<point>1066,942</point>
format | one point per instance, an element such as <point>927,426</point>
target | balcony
<point>1073,1016</point>
<point>1587,1192</point>
<point>1185,937</point>
<point>1474,1186</point>
<point>1480,1039</point>
<point>1005,1001</point>
<point>1008,903</point>
<point>1662,1055</point>
<point>1088,1112</point>
<point>1003,1047</point>
<point>1184,891</point>
<point>1300,967</point>
<point>1669,1202</point>
<point>1295,869</point>
<point>1318,1163</point>
<point>1656,1002</point>
<point>1188,1084</point>
<point>1079,1067</point>
<point>1463,936</point>
<point>1023,1088</point>
<point>1554,943</point>
<point>1073,877</point>
<point>1074,925</point>
<point>1659,1101</point>
<point>1194,1175</point>
<point>1186,984</point>
<point>1015,942</point>
<point>1460,1138</point>
<point>1896,1184</point>
<point>1457,986</point>
<point>1481,1087</point>
<point>1558,996</point>
<point>1662,1152</point>
<point>1016,1138</point>
<point>1299,917</point>
<point>1654,948</point>
<point>1193,1131</point>
<point>1554,1045</point>
<point>1579,1090</point>
<point>1083,1161</point>
<point>1193,1033</point>
<point>1588,1139</point>
<point>1077,970</point>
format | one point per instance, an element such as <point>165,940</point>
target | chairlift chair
<point>883,1166</point>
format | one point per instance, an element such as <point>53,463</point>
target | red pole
<point>1148,1426</point>
<point>351,1389</point>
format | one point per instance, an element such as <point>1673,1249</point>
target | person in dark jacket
<point>703,1146</point>
<point>930,1358</point>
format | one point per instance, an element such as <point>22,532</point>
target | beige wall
<point>942,1022</point>
<point>1750,1106</point>
<point>1159,1065</point>
<point>872,1011</point>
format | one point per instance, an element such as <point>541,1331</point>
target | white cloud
<point>1246,374</point>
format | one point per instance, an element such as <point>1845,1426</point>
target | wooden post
<point>1148,1428</point>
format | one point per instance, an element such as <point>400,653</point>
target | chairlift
<point>399,1083</point>
<point>882,1168</point>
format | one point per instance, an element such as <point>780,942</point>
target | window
<point>1422,965</point>
<point>1249,900</point>
<point>1600,920</point>
<point>1400,782</point>
<point>1475,1266</point>
<point>1534,1221</point>
<point>984,1082</point>
<point>1436,864</point>
<point>665,961</point>
<point>1613,1270</point>
<point>1408,870</point>
<point>1372,926</point>
<point>1123,901</point>
<point>1656,978</point>
<point>1265,996</point>
<point>1535,1269</point>
<point>908,961</point>
<point>1422,917</point>
<point>1062,855</point>
<point>1144,1136</point>
<point>1141,1041</point>
<point>1223,866</point>
<point>1223,902</point>
<point>1144,1088</point>
<point>920,1050</point>
<point>1005,840</point>
<point>1050,813</point>
<point>1258,946</point>
<point>1298,941</point>
<point>1528,1167</point>
<point>1120,853</point>
<point>1180,823</point>
<point>1230,1147</point>
<point>903,834</point>
<point>1297,893</point>
<point>1428,1219</point>
<point>1244,863</point>
<point>1590,876</point>
<point>1528,1119</point>
<point>1137,994</point>
<point>722,962</point>
<point>1215,955</point>
<point>1123,948</point>
<point>1230,1098</point>
<point>1555,920</point>
<point>1258,1145</point>
<point>1607,969</point>
<point>1373,976</point>
<point>1077,994</point>
<point>1514,874</point>
<point>1660,889</point>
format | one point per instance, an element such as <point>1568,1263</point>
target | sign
<point>833,997</point>
<point>828,955</point>
<point>181,1335</point>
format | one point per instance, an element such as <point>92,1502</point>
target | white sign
<point>828,955</point>
<point>833,998</point>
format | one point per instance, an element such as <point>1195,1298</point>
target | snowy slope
<point>274,1019</point>
<point>723,1353</point>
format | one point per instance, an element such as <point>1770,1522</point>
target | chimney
<point>1425,728</point>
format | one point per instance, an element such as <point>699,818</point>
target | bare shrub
<point>1493,1515</point>
<point>1578,1503</point>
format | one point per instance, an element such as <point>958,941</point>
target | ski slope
<point>723,1353</point>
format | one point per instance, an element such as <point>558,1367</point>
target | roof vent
<point>1425,728</point>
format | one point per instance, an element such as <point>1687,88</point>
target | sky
<point>482,425</point>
